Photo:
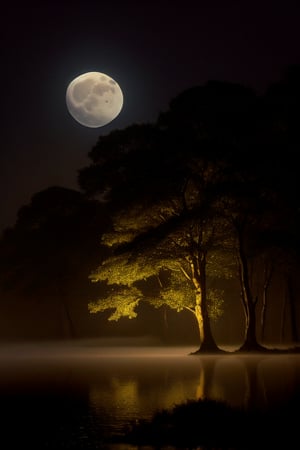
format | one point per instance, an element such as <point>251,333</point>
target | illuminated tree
<point>169,177</point>
<point>220,159</point>
<point>177,248</point>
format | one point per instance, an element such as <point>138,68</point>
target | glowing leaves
<point>177,293</point>
<point>128,224</point>
<point>123,302</point>
<point>123,270</point>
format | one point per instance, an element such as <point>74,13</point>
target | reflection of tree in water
<point>222,378</point>
<point>131,391</point>
<point>136,389</point>
<point>114,403</point>
<point>278,376</point>
<point>249,382</point>
<point>205,387</point>
<point>241,402</point>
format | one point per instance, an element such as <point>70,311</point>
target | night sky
<point>154,50</point>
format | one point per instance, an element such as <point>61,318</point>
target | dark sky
<point>154,50</point>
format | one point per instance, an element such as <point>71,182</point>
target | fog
<point>65,392</point>
<point>89,348</point>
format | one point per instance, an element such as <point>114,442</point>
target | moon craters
<point>94,99</point>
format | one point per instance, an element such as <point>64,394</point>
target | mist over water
<point>89,348</point>
<point>60,393</point>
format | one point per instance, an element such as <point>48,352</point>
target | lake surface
<point>75,395</point>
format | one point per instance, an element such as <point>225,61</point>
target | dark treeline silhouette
<point>45,261</point>
<point>206,194</point>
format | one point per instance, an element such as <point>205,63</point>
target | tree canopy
<point>191,198</point>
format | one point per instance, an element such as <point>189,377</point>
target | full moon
<point>94,99</point>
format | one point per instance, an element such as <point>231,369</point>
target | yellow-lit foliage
<point>123,303</point>
<point>179,295</point>
<point>123,270</point>
<point>174,260</point>
<point>138,220</point>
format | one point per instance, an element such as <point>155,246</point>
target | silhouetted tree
<point>175,187</point>
<point>48,254</point>
<point>220,154</point>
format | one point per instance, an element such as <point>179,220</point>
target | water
<point>76,395</point>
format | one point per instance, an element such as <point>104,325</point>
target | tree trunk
<point>67,325</point>
<point>207,342</point>
<point>249,304</point>
<point>267,279</point>
<point>250,341</point>
<point>68,330</point>
<point>283,317</point>
<point>293,315</point>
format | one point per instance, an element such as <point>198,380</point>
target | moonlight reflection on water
<point>85,391</point>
